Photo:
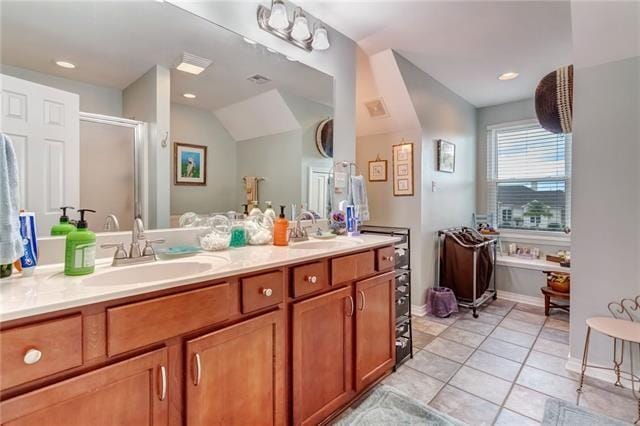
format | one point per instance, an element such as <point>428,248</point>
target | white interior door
<point>318,191</point>
<point>43,124</point>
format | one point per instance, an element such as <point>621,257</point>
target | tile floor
<point>500,368</point>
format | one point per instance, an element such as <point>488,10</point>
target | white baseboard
<point>521,298</point>
<point>419,310</point>
<point>575,365</point>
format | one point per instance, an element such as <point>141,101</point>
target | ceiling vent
<point>192,64</point>
<point>258,79</point>
<point>376,108</point>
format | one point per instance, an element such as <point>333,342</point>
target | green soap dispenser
<point>80,249</point>
<point>64,227</point>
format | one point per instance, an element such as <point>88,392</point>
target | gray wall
<point>95,99</point>
<point>497,114</point>
<point>605,199</point>
<point>200,127</point>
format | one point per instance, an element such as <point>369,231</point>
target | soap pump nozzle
<point>82,223</point>
<point>64,217</point>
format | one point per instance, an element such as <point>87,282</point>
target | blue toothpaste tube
<point>29,259</point>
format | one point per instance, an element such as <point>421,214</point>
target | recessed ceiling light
<point>289,58</point>
<point>189,95</point>
<point>271,50</point>
<point>65,64</point>
<point>249,41</point>
<point>192,64</point>
<point>508,76</point>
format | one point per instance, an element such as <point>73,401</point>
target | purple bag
<point>441,302</point>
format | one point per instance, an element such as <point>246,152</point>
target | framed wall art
<point>446,156</point>
<point>403,169</point>
<point>378,170</point>
<point>189,164</point>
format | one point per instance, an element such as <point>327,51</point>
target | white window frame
<point>492,182</point>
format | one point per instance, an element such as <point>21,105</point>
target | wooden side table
<point>548,303</point>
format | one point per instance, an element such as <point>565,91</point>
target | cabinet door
<point>375,328</point>
<point>322,355</point>
<point>235,376</point>
<point>131,392</point>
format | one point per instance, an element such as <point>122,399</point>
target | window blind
<point>528,178</point>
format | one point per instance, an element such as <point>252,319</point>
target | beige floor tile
<point>551,364</point>
<point>495,310</point>
<point>504,349</point>
<point>510,418</point>
<point>433,365</point>
<point>465,407</point>
<point>503,303</point>
<point>495,365</point>
<point>527,402</point>
<point>446,321</point>
<point>555,335</point>
<point>462,336</point>
<point>420,339</point>
<point>527,317</point>
<point>521,326</point>
<point>486,318</point>
<point>481,384</point>
<point>549,384</point>
<point>427,326</point>
<point>532,309</point>
<point>450,350</point>
<point>475,326</point>
<point>608,403</point>
<point>557,324</point>
<point>411,382</point>
<point>515,337</point>
<point>552,348</point>
<point>559,315</point>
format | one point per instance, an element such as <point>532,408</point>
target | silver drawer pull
<point>32,356</point>
<point>267,292</point>
<point>389,258</point>
<point>198,368</point>
<point>163,383</point>
<point>312,279</point>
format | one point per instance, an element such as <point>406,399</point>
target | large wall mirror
<point>141,108</point>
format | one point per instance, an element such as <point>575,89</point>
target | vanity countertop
<point>49,290</point>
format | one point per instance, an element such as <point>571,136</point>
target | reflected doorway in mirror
<point>189,164</point>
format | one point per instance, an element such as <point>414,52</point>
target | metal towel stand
<point>489,293</point>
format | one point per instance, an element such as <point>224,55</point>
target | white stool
<point>620,330</point>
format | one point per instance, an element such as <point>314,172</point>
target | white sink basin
<point>325,245</point>
<point>152,272</point>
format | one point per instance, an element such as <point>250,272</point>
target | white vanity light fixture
<point>276,22</point>
<point>192,64</point>
<point>65,64</point>
<point>189,95</point>
<point>508,76</point>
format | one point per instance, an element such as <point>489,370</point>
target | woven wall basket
<point>554,100</point>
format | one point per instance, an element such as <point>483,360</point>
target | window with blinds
<point>528,176</point>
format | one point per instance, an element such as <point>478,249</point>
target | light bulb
<point>300,29</point>
<point>278,17</point>
<point>320,39</point>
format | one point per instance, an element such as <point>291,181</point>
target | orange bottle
<point>281,230</point>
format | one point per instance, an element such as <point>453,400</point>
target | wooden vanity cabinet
<point>130,392</point>
<point>375,329</point>
<point>322,355</point>
<point>237,375</point>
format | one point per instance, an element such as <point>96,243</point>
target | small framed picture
<point>189,164</point>
<point>378,170</point>
<point>403,169</point>
<point>446,156</point>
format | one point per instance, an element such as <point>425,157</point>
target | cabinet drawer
<point>261,291</point>
<point>140,324</point>
<point>34,351</point>
<point>352,267</point>
<point>385,259</point>
<point>310,278</point>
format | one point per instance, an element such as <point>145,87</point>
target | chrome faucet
<point>298,232</point>
<point>111,223</point>
<point>136,255</point>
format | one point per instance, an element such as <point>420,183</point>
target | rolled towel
<point>10,241</point>
<point>360,201</point>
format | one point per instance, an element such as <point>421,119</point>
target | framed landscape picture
<point>446,156</point>
<point>378,170</point>
<point>403,169</point>
<point>189,164</point>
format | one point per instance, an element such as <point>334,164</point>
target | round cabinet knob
<point>32,356</point>
<point>389,258</point>
<point>312,279</point>
<point>267,292</point>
